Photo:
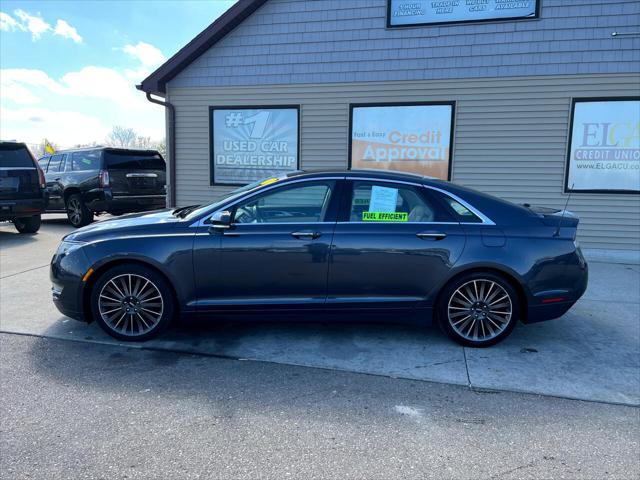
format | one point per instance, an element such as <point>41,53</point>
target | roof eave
<point>156,82</point>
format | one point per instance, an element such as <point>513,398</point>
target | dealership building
<point>530,100</point>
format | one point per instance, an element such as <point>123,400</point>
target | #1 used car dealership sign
<point>249,144</point>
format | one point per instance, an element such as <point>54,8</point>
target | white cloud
<point>79,107</point>
<point>9,24</point>
<point>67,31</point>
<point>36,25</point>
<point>67,128</point>
<point>148,55</point>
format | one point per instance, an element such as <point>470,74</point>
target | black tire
<point>481,312</point>
<point>77,212</point>
<point>28,224</point>
<point>117,312</point>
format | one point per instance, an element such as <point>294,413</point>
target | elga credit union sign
<point>427,12</point>
<point>407,138</point>
<point>249,144</point>
<point>604,151</point>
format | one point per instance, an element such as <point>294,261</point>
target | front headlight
<point>68,246</point>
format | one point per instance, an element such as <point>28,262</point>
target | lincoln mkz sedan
<point>351,242</point>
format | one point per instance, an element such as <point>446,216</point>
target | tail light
<point>41,180</point>
<point>104,178</point>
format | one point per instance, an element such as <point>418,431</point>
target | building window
<point>405,13</point>
<point>414,138</point>
<point>251,143</point>
<point>604,146</point>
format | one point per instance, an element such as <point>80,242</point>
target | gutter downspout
<point>171,201</point>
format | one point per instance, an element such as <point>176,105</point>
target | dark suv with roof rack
<point>23,194</point>
<point>96,180</point>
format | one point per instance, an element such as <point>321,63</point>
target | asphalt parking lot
<point>592,353</point>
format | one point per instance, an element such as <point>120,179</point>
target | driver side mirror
<point>220,221</point>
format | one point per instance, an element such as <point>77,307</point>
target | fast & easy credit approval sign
<point>407,138</point>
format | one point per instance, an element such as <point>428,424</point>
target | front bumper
<point>105,200</point>
<point>66,271</point>
<point>20,208</point>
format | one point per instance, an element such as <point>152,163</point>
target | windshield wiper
<point>182,212</point>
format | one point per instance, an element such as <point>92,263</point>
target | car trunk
<point>18,174</point>
<point>135,172</point>
<point>563,222</point>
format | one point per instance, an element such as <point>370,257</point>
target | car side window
<point>86,160</point>
<point>463,213</point>
<point>382,202</point>
<point>54,163</point>
<point>43,163</point>
<point>297,204</point>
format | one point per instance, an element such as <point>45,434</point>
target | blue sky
<point>68,68</point>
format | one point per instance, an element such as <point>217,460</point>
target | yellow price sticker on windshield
<point>268,181</point>
<point>385,216</point>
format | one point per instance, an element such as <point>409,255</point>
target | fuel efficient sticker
<point>385,217</point>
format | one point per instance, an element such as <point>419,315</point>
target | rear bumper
<point>106,201</point>
<point>555,303</point>
<point>28,207</point>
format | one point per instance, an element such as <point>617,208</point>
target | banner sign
<point>249,144</point>
<point>408,138</point>
<point>428,12</point>
<point>604,147</point>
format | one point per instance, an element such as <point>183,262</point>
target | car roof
<point>12,144</point>
<point>369,173</point>
<point>102,147</point>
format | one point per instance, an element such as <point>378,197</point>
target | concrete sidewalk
<point>591,353</point>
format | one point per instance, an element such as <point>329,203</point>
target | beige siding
<point>510,138</point>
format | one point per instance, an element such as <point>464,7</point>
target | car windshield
<point>15,156</point>
<point>196,210</point>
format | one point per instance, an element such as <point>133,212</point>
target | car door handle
<point>56,179</point>
<point>305,234</point>
<point>432,235</point>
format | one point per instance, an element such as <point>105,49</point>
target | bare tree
<point>122,137</point>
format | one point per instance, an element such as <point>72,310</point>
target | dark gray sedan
<point>347,244</point>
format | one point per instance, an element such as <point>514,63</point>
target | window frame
<point>60,163</point>
<point>451,103</point>
<point>566,188</point>
<point>420,190</point>
<point>458,22</point>
<point>331,210</point>
<point>213,108</point>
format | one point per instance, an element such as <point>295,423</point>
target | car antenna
<point>557,233</point>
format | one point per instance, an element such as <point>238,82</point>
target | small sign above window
<point>404,13</point>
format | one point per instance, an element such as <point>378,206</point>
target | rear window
<point>85,160</point>
<point>133,161</point>
<point>15,156</point>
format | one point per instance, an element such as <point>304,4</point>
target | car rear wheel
<point>478,309</point>
<point>77,212</point>
<point>28,224</point>
<point>132,303</point>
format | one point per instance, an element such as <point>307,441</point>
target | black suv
<point>95,180</point>
<point>23,193</point>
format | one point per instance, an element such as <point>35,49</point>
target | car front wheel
<point>77,212</point>
<point>132,302</point>
<point>28,224</point>
<point>478,309</point>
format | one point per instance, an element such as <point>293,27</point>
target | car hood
<point>126,224</point>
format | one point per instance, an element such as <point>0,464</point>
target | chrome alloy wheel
<point>74,211</point>
<point>130,304</point>
<point>479,310</point>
